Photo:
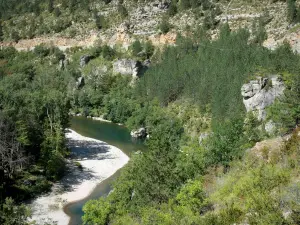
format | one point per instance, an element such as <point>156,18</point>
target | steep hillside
<point>67,23</point>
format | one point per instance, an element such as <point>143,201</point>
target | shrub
<point>172,9</point>
<point>136,47</point>
<point>79,166</point>
<point>41,50</point>
<point>122,11</point>
<point>108,53</point>
<point>164,26</point>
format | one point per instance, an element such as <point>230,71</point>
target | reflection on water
<point>113,134</point>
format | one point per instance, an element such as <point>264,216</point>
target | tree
<point>50,6</point>
<point>185,4</point>
<point>136,47</point>
<point>15,36</point>
<point>1,32</point>
<point>11,152</point>
<point>57,12</point>
<point>11,214</point>
<point>164,26</point>
<point>100,21</point>
<point>291,10</point>
<point>172,10</point>
<point>122,11</point>
<point>259,31</point>
<point>149,49</point>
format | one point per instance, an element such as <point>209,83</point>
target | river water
<point>112,134</point>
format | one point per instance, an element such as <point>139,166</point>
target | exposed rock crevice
<point>260,93</point>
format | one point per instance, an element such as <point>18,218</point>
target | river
<point>111,133</point>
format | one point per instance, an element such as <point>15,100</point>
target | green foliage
<point>1,32</point>
<point>11,214</point>
<point>15,36</point>
<point>172,10</point>
<point>33,96</point>
<point>192,196</point>
<point>149,49</point>
<point>96,212</point>
<point>164,26</point>
<point>50,6</point>
<point>122,11</point>
<point>229,58</point>
<point>108,53</point>
<point>41,51</point>
<point>259,32</point>
<point>78,164</point>
<point>100,21</point>
<point>136,47</point>
<point>291,10</point>
<point>286,111</point>
<point>225,144</point>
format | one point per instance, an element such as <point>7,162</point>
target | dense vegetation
<point>177,181</point>
<point>33,115</point>
<point>191,88</point>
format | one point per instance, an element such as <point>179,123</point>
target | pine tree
<point>50,6</point>
<point>1,32</point>
<point>291,11</point>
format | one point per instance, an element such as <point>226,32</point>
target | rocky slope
<point>143,19</point>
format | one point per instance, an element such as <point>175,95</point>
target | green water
<point>113,134</point>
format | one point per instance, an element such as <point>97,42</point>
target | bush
<point>136,47</point>
<point>122,11</point>
<point>164,26</point>
<point>172,11</point>
<point>41,50</point>
<point>108,53</point>
<point>15,36</point>
<point>79,166</point>
<point>149,49</point>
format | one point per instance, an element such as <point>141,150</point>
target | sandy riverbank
<point>99,161</point>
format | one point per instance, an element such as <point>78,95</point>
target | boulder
<point>84,60</point>
<point>127,67</point>
<point>204,136</point>
<point>80,82</point>
<point>63,64</point>
<point>270,127</point>
<point>140,133</point>
<point>261,93</point>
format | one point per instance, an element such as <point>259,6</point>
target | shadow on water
<point>110,133</point>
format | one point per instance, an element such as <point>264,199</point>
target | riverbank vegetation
<point>33,115</point>
<point>190,89</point>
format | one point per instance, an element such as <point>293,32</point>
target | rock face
<point>261,93</point>
<point>140,133</point>
<point>80,82</point>
<point>85,60</point>
<point>127,67</point>
<point>204,136</point>
<point>63,63</point>
<point>270,127</point>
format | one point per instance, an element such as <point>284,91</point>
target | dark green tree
<point>136,47</point>
<point>1,32</point>
<point>50,6</point>
<point>12,214</point>
<point>291,10</point>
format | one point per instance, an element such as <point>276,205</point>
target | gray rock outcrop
<point>140,133</point>
<point>261,93</point>
<point>270,127</point>
<point>126,67</point>
<point>80,82</point>
<point>85,60</point>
